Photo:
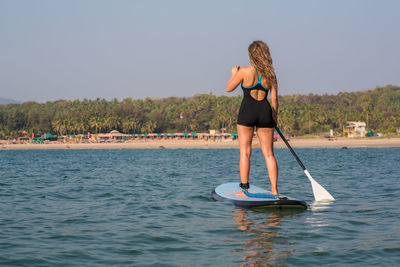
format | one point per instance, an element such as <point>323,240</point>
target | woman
<point>255,111</point>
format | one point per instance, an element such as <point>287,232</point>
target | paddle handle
<point>290,148</point>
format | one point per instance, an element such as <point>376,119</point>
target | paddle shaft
<point>290,148</point>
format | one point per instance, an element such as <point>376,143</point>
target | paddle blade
<point>319,192</point>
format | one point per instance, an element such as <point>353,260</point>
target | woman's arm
<point>274,102</point>
<point>235,80</point>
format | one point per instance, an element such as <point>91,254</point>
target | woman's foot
<point>275,194</point>
<point>274,190</point>
<point>245,186</point>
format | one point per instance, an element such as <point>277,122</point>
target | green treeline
<point>298,114</point>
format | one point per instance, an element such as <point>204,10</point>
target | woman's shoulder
<point>247,68</point>
<point>247,71</point>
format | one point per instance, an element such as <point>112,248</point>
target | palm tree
<point>111,122</point>
<point>148,126</point>
<point>129,124</point>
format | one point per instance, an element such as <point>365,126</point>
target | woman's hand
<point>235,69</point>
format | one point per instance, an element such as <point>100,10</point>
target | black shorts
<point>254,113</point>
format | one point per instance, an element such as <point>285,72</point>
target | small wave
<point>172,249</point>
<point>202,198</point>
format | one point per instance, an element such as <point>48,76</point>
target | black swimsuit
<point>254,112</point>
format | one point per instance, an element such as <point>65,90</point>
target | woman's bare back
<point>250,79</point>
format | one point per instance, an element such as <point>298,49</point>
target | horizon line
<point>15,101</point>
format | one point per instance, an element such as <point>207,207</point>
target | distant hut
<point>193,136</point>
<point>113,135</point>
<point>166,136</point>
<point>178,135</point>
<point>152,136</point>
<point>203,136</point>
<point>49,136</point>
<point>144,136</point>
<point>170,135</point>
<point>225,136</point>
<point>355,129</point>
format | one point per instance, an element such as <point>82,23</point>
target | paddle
<point>319,192</point>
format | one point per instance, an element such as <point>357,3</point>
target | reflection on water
<point>321,205</point>
<point>263,247</point>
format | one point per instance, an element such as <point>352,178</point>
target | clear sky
<point>79,49</point>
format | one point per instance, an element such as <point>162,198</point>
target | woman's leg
<point>245,138</point>
<point>265,135</point>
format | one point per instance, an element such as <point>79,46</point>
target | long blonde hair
<point>261,59</point>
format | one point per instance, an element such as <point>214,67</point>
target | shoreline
<point>189,144</point>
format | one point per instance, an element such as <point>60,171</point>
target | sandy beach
<point>173,144</point>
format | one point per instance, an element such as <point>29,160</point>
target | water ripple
<point>153,208</point>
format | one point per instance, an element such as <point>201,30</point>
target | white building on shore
<point>355,129</point>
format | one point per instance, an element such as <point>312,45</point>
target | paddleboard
<point>231,192</point>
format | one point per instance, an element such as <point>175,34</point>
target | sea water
<point>154,208</point>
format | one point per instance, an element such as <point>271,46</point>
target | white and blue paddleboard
<point>231,192</point>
